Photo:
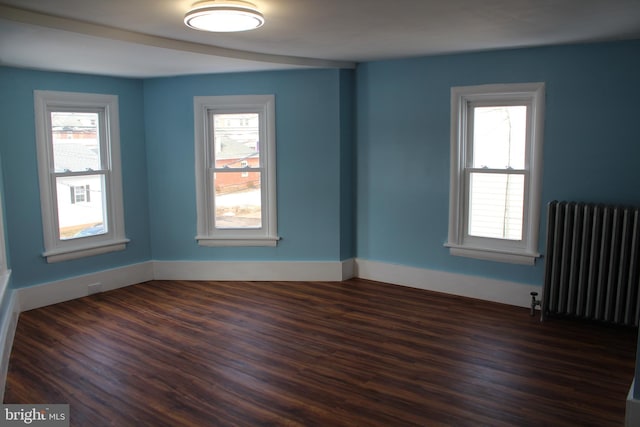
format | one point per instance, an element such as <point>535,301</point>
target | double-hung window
<point>78,148</point>
<point>235,170</point>
<point>496,169</point>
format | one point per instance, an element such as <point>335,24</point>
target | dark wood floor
<point>356,353</point>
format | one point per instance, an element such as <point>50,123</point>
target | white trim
<point>77,287</point>
<point>5,276</point>
<point>254,270</point>
<point>522,252</point>
<point>632,412</point>
<point>84,251</point>
<point>114,239</point>
<point>5,273</point>
<point>8,325</point>
<point>493,255</point>
<point>80,286</point>
<point>348,269</point>
<point>487,289</point>
<point>483,288</point>
<point>240,241</point>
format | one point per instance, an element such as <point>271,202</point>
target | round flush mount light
<point>223,16</point>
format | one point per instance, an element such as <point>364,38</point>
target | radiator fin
<point>592,267</point>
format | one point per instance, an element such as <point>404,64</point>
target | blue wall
<point>362,158</point>
<point>314,134</point>
<point>347,165</point>
<point>591,144</point>
<point>309,147</point>
<point>20,169</point>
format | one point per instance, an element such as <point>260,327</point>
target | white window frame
<point>204,108</point>
<point>114,239</point>
<point>459,242</point>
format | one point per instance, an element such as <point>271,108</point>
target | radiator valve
<point>534,303</point>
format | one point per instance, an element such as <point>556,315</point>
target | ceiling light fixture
<point>223,16</point>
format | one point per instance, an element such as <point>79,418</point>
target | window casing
<point>5,273</point>
<point>235,170</point>
<point>496,171</point>
<point>78,146</point>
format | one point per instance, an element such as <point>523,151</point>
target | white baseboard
<point>8,324</point>
<point>501,291</point>
<point>632,413</point>
<point>80,286</point>
<point>254,270</point>
<point>505,292</point>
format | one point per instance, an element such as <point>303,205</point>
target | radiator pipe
<point>534,303</point>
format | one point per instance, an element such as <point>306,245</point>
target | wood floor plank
<point>353,353</point>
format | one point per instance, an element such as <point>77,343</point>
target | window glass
<point>237,194</point>
<point>75,137</point>
<point>75,141</point>
<point>495,200</point>
<point>238,200</point>
<point>499,137</point>
<point>236,139</point>
<point>496,205</point>
<point>81,210</point>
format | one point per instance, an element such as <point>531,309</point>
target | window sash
<point>468,170</point>
<point>103,144</point>
<point>95,208</point>
<point>103,133</point>
<point>469,122</point>
<point>506,242</point>
<point>230,169</point>
<point>213,197</point>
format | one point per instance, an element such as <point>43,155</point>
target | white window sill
<point>512,257</point>
<point>66,254</point>
<point>239,241</point>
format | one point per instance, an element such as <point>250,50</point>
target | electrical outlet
<point>94,288</point>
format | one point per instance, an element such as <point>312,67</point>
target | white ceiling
<point>147,38</point>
